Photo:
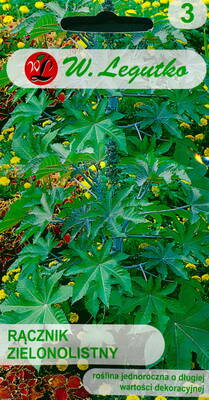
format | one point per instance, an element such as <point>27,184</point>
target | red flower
<point>74,382</point>
<point>67,238</point>
<point>61,394</point>
<point>81,393</point>
<point>57,380</point>
<point>61,97</point>
<point>4,393</point>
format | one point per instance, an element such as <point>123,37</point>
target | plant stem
<point>159,211</point>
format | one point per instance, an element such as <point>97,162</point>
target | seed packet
<point>104,200</point>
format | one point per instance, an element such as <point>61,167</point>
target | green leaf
<point>158,116</point>
<point>45,24</point>
<point>101,270</point>
<point>36,300</point>
<point>188,332</point>
<point>149,303</point>
<point>164,258</point>
<point>4,80</point>
<point>33,254</point>
<point>93,128</point>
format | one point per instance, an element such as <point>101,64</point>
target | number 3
<point>190,16</point>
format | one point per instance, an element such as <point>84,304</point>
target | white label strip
<point>147,382</point>
<point>106,69</point>
<point>95,344</point>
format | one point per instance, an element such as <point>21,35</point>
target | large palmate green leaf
<point>188,102</point>
<point>33,254</point>
<point>191,237</point>
<point>150,302</point>
<point>108,214</point>
<point>188,331</point>
<point>99,271</point>
<point>165,258</point>
<point>94,126</point>
<point>31,111</point>
<point>159,117</point>
<point>36,300</point>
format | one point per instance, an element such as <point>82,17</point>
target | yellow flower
<point>73,318</point>
<point>205,277</point>
<point>4,181</point>
<point>206,152</point>
<point>63,366</point>
<point>65,142</point>
<point>1,138</point>
<point>199,136</point>
<point>81,43</point>
<point>93,168</point>
<point>203,122</point>
<point>205,87</point>
<point>8,130</point>
<point>8,19</point>
<point>24,9</point>
<point>184,124</point>
<point>1,41</point>
<point>143,245</point>
<point>196,277</point>
<point>15,160</point>
<point>99,246</point>
<point>160,398</point>
<point>17,294</point>
<point>3,1</point>
<point>130,12</point>
<point>85,183</point>
<point>40,5</point>
<point>198,158</point>
<point>138,104</point>
<point>146,4</point>
<point>52,263</point>
<point>20,45</point>
<point>94,107</point>
<point>6,7</point>
<point>191,266</point>
<point>2,294</point>
<point>189,137</point>
<point>203,398</point>
<point>83,365</point>
<point>207,261</point>
<point>132,397</point>
<point>206,105</point>
<point>71,283</point>
<point>5,278</point>
<point>27,185</point>
<point>10,137</point>
<point>156,4</point>
<point>102,164</point>
<point>155,190</point>
<point>87,195</point>
<point>16,277</point>
<point>47,122</point>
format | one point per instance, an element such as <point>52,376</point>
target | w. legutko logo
<point>41,68</point>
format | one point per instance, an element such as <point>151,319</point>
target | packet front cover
<point>104,186</point>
